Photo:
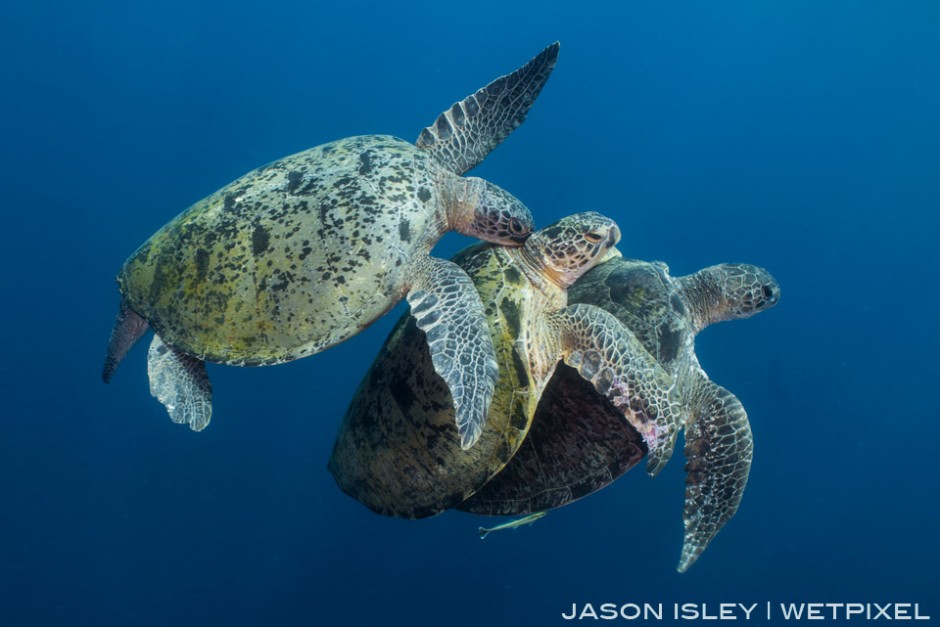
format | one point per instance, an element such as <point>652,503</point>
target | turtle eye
<point>593,237</point>
<point>516,227</point>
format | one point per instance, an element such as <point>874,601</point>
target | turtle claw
<point>660,450</point>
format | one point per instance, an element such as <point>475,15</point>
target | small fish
<point>512,524</point>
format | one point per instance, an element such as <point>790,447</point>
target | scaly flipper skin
<point>463,135</point>
<point>128,329</point>
<point>447,307</point>
<point>718,451</point>
<point>608,354</point>
<point>180,382</point>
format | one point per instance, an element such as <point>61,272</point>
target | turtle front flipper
<point>718,451</point>
<point>462,136</point>
<point>608,354</point>
<point>128,329</point>
<point>447,307</point>
<point>181,383</point>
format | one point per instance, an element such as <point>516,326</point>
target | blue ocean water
<point>799,136</point>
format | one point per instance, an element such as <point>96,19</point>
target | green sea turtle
<point>306,251</point>
<point>579,443</point>
<point>397,450</point>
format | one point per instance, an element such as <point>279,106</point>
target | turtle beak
<point>613,236</point>
<point>612,253</point>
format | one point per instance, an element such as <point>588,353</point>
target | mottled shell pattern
<point>292,257</point>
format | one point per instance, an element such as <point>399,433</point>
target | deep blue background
<point>801,136</point>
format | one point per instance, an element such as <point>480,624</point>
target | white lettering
<point>650,611</point>
<point>852,609</point>
<point>814,611</point>
<point>835,609</point>
<point>735,611</point>
<point>689,611</point>
<point>608,611</point>
<point>704,611</point>
<point>792,611</point>
<point>587,612</point>
<point>747,611</point>
<point>728,611</point>
<point>629,611</point>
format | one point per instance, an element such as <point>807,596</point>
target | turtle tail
<point>128,328</point>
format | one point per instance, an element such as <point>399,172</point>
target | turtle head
<point>570,247</point>
<point>745,290</point>
<point>490,213</point>
<point>730,291</point>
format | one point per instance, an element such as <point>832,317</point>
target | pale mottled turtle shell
<point>292,257</point>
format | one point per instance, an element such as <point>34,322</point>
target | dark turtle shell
<point>397,451</point>
<point>578,443</point>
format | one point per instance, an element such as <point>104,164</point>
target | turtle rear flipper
<point>718,450</point>
<point>128,328</point>
<point>181,383</point>
<point>462,136</point>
